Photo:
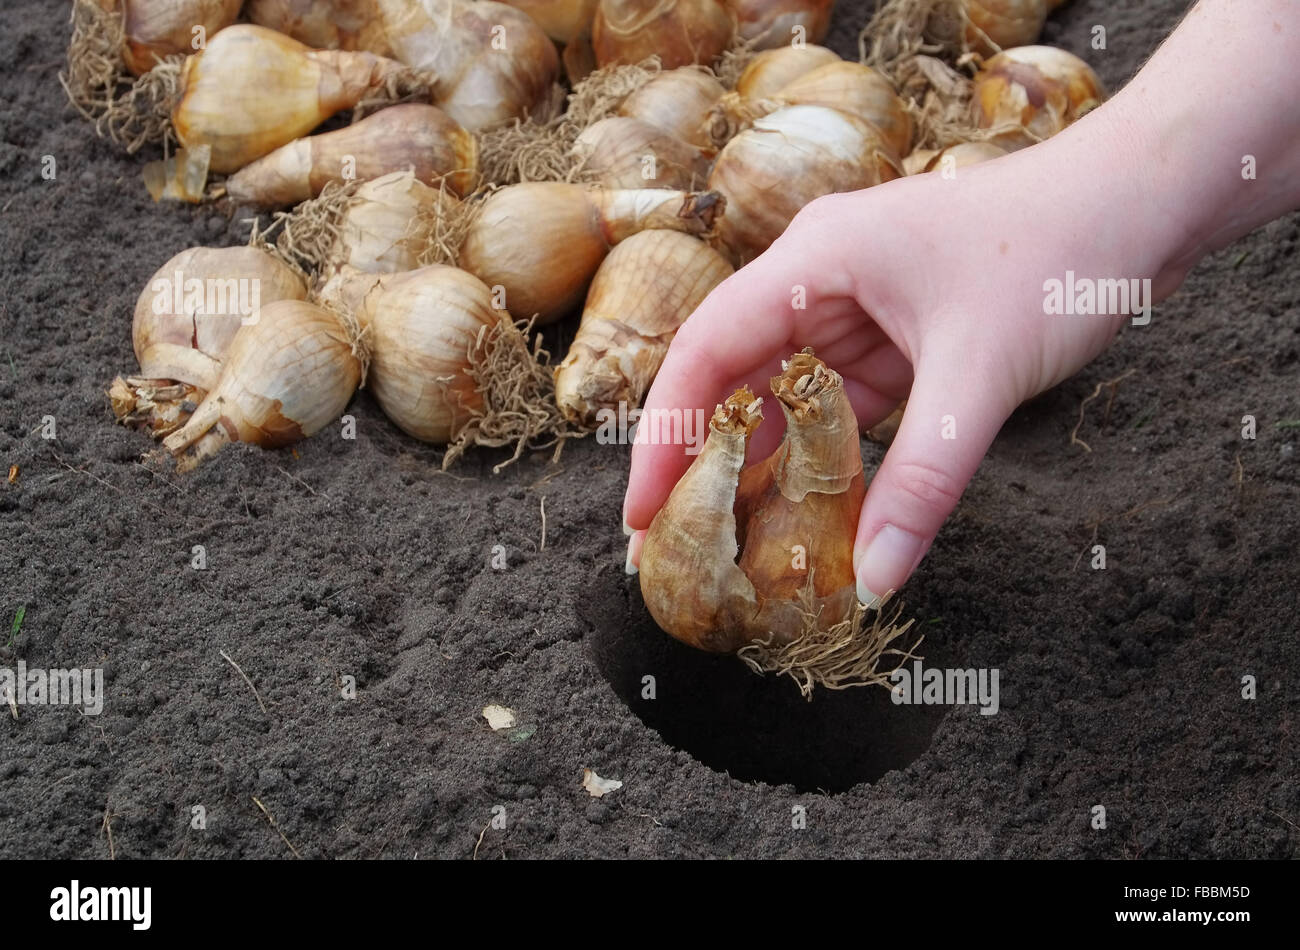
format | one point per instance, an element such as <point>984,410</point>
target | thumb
<point>952,415</point>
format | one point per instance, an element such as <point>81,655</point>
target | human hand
<point>927,288</point>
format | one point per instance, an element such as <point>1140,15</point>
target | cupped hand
<point>927,288</point>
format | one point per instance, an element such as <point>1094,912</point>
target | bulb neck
<point>821,451</point>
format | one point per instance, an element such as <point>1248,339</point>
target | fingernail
<point>887,562</point>
<point>628,530</point>
<point>869,600</point>
<point>628,566</point>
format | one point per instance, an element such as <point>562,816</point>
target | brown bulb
<point>739,555</point>
<point>391,224</point>
<point>156,29</point>
<point>253,89</point>
<point>773,23</point>
<point>621,152</point>
<point>644,291</point>
<point>492,61</point>
<point>1028,94</point>
<point>947,160</point>
<point>192,307</point>
<point>185,320</point>
<point>541,242</point>
<point>450,366</point>
<point>679,32</point>
<point>422,326</point>
<point>848,87</point>
<point>677,102</point>
<point>412,136</point>
<point>785,160</point>
<point>994,25</point>
<point>772,69</point>
<point>287,375</point>
<point>563,20</point>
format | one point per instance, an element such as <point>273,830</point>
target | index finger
<point>739,329</point>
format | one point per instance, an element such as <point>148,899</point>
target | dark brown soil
<point>1119,687</point>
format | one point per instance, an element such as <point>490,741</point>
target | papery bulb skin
<point>690,581</point>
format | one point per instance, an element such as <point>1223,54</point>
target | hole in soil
<point>756,728</point>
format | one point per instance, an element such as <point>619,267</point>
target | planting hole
<point>755,728</point>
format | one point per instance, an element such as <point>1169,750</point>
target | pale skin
<point>932,289</point>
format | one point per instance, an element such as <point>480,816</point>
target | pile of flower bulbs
<point>426,279</point>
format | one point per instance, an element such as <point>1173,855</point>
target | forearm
<point>1213,122</point>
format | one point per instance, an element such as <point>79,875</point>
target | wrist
<point>1196,156</point>
<point>1142,187</point>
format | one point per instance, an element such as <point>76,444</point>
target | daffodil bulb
<point>252,90</point>
<point>422,326</point>
<point>622,152</point>
<point>386,226</point>
<point>785,160</point>
<point>902,29</point>
<point>677,102</point>
<point>679,32</point>
<point>540,243</point>
<point>450,366</point>
<point>995,25</point>
<point>191,309</point>
<point>324,24</point>
<point>772,23</point>
<point>156,29</point>
<point>288,374</point>
<point>947,160</point>
<point>493,62</point>
<point>412,136</point>
<point>642,293</point>
<point>563,20</point>
<point>185,320</point>
<point>738,555</point>
<point>773,69</point>
<point>113,40</point>
<point>849,87</point>
<point>1028,94</point>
